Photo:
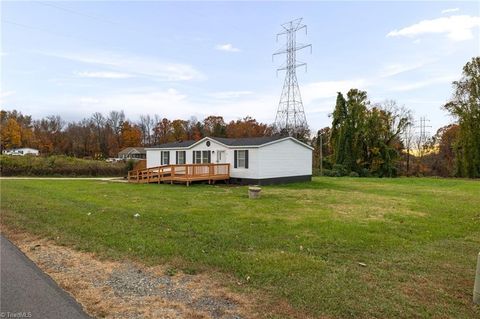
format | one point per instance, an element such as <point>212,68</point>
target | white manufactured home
<point>259,160</point>
<point>22,151</point>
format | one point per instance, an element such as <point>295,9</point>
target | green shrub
<point>364,172</point>
<point>354,174</point>
<point>339,170</point>
<point>58,166</point>
<point>328,172</point>
<point>130,164</point>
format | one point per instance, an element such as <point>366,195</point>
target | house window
<point>241,159</point>
<point>201,157</point>
<point>206,157</point>
<point>180,157</point>
<point>165,157</point>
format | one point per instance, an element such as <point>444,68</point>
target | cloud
<point>421,84</point>
<point>229,94</point>
<point>228,47</point>
<point>457,28</point>
<point>88,100</point>
<point>170,103</point>
<point>398,68</point>
<point>143,101</point>
<point>4,95</point>
<point>135,65</point>
<point>104,75</point>
<point>450,10</point>
<point>326,89</point>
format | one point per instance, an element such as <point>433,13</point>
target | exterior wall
<point>153,158</point>
<point>214,146</point>
<point>286,158</point>
<point>253,164</point>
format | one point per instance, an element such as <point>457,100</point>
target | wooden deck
<point>181,173</point>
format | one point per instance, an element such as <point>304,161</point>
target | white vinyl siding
<point>287,158</point>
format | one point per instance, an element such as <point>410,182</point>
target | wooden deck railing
<point>184,173</point>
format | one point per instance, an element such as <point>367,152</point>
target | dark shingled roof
<point>176,144</point>
<point>129,150</point>
<point>247,141</point>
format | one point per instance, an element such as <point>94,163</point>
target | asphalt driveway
<point>27,292</point>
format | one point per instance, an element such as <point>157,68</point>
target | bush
<point>365,172</point>
<point>130,165</point>
<point>339,170</point>
<point>328,172</point>
<point>354,174</point>
<point>58,166</point>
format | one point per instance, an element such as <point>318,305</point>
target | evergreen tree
<point>357,103</point>
<point>338,129</point>
<point>465,107</point>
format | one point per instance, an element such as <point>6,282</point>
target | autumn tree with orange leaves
<point>248,127</point>
<point>11,134</point>
<point>131,135</point>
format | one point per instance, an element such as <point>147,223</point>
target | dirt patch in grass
<point>131,290</point>
<point>356,208</point>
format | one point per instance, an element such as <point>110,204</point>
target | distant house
<point>21,151</point>
<point>132,153</point>
<point>258,160</point>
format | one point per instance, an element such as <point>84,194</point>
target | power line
<point>130,28</point>
<point>76,12</point>
<point>50,32</point>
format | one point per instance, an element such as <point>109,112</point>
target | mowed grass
<point>302,243</point>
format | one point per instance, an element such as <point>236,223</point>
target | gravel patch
<point>215,306</point>
<point>132,281</point>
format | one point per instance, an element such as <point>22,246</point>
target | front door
<point>221,157</point>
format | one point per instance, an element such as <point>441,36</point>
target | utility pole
<point>321,154</point>
<point>290,119</point>
<point>407,139</point>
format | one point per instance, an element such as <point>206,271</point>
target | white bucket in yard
<point>254,192</point>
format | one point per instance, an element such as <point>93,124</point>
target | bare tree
<point>146,126</point>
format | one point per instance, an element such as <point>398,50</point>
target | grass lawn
<point>302,243</point>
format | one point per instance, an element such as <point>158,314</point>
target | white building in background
<point>21,151</point>
<point>258,160</point>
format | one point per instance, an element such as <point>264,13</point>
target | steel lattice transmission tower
<point>290,117</point>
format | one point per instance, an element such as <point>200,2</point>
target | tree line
<point>364,139</point>
<point>378,139</point>
<point>103,136</point>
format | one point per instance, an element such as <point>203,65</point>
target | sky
<point>183,59</point>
